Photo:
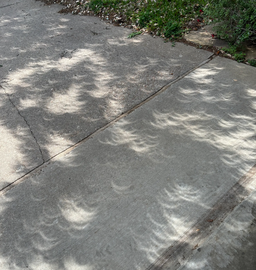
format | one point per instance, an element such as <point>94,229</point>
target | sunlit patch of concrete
<point>232,245</point>
<point>203,75</point>
<point>71,264</point>
<point>174,202</point>
<point>56,142</point>
<point>234,137</point>
<point>251,92</point>
<point>68,102</point>
<point>37,262</point>
<point>75,213</point>
<point>122,133</point>
<point>28,103</point>
<point>122,190</point>
<point>10,146</point>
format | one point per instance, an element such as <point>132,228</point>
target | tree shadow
<point>63,77</point>
<point>232,245</point>
<point>124,198</point>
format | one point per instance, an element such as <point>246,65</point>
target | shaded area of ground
<point>65,76</point>
<point>200,35</point>
<point>232,245</point>
<point>120,199</point>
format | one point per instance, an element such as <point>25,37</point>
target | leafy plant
<point>232,49</point>
<point>98,5</point>
<point>235,51</point>
<point>172,29</point>
<point>239,56</point>
<point>144,18</point>
<point>235,19</point>
<point>161,17</point>
<point>134,34</point>
<point>252,62</point>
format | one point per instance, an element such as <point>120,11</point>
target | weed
<point>172,30</point>
<point>161,17</point>
<point>235,19</point>
<point>252,62</point>
<point>234,50</point>
<point>98,5</point>
<point>134,34</point>
<point>144,18</point>
<point>239,56</point>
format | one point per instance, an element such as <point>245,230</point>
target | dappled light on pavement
<point>122,197</point>
<point>67,76</point>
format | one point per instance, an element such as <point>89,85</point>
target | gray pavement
<point>129,195</point>
<point>232,245</point>
<point>65,76</point>
<point>204,37</point>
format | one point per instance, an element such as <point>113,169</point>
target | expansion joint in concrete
<point>165,87</point>
<point>28,125</point>
<point>64,152</point>
<point>178,254</point>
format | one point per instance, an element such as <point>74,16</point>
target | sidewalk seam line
<point>27,124</point>
<point>67,150</point>
<point>181,251</point>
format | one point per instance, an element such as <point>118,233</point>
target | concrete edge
<point>179,253</point>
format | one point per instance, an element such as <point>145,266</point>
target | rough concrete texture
<point>204,37</point>
<point>67,75</point>
<point>233,245</point>
<point>250,52</point>
<point>13,153</point>
<point>119,199</point>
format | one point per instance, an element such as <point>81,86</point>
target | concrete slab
<point>233,245</point>
<point>19,151</point>
<point>121,198</point>
<point>250,52</point>
<point>69,75</point>
<point>204,37</point>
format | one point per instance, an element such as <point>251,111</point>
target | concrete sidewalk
<point>232,245</point>
<point>149,190</point>
<point>65,76</point>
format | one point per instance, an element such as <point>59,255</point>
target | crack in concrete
<point>25,120</point>
<point>67,150</point>
<point>10,5</point>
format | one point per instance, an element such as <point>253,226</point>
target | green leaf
<point>134,34</point>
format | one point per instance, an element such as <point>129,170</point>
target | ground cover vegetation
<point>164,18</point>
<point>234,20</point>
